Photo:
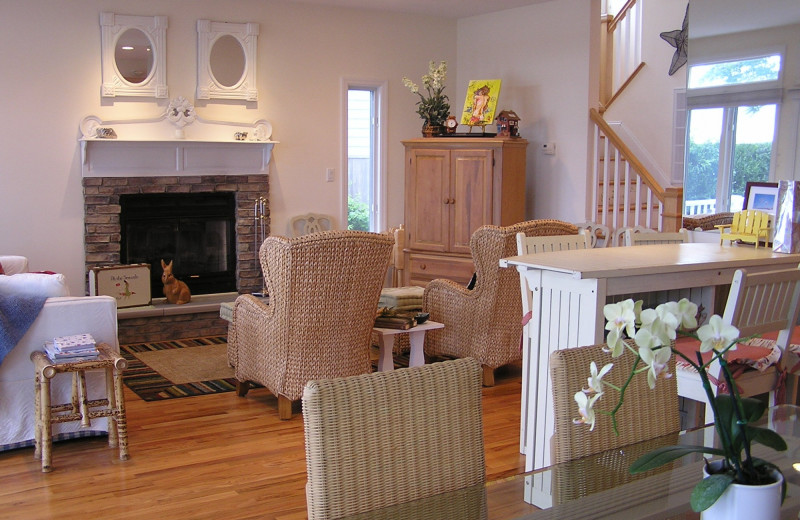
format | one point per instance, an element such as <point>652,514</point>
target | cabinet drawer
<point>424,268</point>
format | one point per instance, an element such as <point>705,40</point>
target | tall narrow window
<point>365,174</point>
<point>733,107</point>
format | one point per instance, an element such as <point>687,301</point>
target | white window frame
<point>380,163</point>
<point>730,98</point>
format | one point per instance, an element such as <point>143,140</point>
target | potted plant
<point>434,108</point>
<point>653,333</point>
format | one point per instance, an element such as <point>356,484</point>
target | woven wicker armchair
<point>324,289</point>
<point>646,414</point>
<point>401,444</point>
<point>485,322</point>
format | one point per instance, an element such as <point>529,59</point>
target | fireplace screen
<point>194,230</point>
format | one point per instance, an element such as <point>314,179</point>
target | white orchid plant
<point>434,108</point>
<point>653,332</point>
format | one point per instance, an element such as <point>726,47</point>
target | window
<point>365,171</point>
<point>736,72</point>
<point>733,106</point>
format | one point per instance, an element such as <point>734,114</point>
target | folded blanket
<point>17,314</point>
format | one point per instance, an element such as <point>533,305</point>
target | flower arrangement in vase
<point>653,333</point>
<point>434,108</point>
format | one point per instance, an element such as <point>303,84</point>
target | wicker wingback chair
<point>485,322</point>
<point>406,443</point>
<point>324,289</point>
<point>645,414</point>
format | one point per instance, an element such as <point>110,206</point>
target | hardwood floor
<point>208,457</point>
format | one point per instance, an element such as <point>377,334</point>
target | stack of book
<point>388,319</point>
<point>78,347</point>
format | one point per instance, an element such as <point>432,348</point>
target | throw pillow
<point>33,284</point>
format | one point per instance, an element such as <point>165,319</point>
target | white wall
<point>543,55</point>
<point>653,88</point>
<point>52,75</point>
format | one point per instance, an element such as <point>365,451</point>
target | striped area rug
<point>179,360</point>
<point>169,369</point>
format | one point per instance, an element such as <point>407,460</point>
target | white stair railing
<point>624,193</point>
<point>622,51</point>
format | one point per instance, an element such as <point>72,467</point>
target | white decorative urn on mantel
<point>179,142</point>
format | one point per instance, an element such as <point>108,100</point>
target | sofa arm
<point>61,316</point>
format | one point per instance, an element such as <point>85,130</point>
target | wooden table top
<point>651,259</point>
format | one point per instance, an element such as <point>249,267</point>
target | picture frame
<point>481,102</point>
<point>762,196</point>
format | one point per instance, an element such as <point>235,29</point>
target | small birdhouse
<point>507,124</point>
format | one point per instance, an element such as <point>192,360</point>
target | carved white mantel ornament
<point>179,142</point>
<point>180,113</point>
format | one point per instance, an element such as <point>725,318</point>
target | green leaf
<point>708,490</point>
<point>661,456</point>
<point>753,409</point>
<point>767,437</point>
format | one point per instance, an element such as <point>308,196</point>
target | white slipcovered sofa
<point>61,315</point>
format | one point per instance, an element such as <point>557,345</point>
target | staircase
<point>624,193</point>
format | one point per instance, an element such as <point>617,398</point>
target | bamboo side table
<point>81,408</point>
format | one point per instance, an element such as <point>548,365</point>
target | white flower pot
<point>741,502</point>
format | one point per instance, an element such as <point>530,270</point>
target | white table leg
<point>416,338</point>
<point>386,360</point>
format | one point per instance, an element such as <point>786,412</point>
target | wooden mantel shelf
<point>159,147</point>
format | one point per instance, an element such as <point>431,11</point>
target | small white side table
<point>416,338</point>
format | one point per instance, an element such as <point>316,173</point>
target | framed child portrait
<point>481,102</point>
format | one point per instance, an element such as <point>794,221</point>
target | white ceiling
<point>439,8</point>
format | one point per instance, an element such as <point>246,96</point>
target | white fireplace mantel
<point>175,144</point>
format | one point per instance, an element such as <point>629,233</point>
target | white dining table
<point>565,292</point>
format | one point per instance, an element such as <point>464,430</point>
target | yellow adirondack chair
<point>750,226</point>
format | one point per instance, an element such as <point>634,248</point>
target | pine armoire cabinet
<point>454,185</point>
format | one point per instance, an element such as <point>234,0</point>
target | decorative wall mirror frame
<point>145,38</point>
<point>226,60</point>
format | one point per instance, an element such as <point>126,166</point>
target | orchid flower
<point>621,317</point>
<point>716,335</point>
<point>685,311</point>
<point>595,381</point>
<point>585,408</point>
<point>657,361</point>
<point>661,323</point>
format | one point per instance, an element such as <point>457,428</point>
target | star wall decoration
<point>680,40</point>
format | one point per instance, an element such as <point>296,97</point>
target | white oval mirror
<point>133,56</point>
<point>227,61</point>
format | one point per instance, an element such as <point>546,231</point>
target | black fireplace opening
<point>196,231</point>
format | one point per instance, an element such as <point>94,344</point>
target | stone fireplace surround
<point>166,154</point>
<point>102,245</point>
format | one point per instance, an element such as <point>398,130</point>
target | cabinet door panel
<point>427,192</point>
<point>471,189</point>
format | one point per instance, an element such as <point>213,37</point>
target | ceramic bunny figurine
<point>175,290</point>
